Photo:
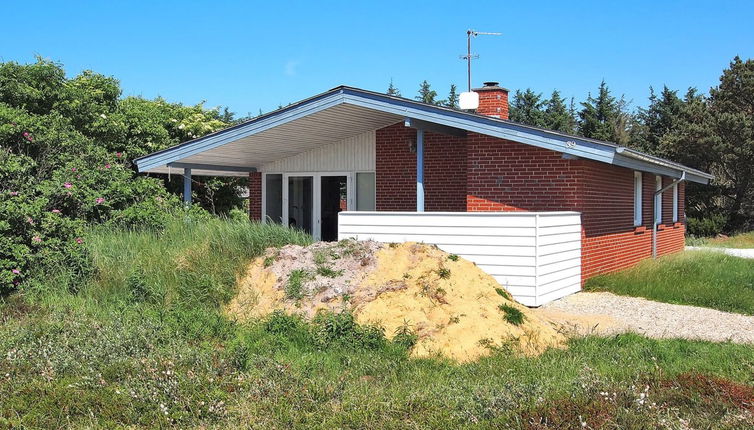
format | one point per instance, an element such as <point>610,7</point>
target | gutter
<point>660,162</point>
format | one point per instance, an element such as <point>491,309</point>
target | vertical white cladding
<point>536,256</point>
<point>353,154</point>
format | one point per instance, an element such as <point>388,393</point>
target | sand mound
<point>456,309</point>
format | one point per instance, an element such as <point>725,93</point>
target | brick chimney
<point>493,100</point>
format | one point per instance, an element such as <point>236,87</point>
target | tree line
<point>712,132</point>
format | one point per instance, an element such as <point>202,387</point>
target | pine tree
<point>392,90</point>
<point>657,120</point>
<point>526,108</point>
<point>557,116</point>
<point>604,117</point>
<point>731,123</point>
<point>452,100</point>
<point>426,93</point>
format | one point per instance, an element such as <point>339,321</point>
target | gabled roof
<point>346,111</point>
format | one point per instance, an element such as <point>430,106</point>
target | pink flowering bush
<point>66,146</point>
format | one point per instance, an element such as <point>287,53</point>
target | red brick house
<point>384,153</point>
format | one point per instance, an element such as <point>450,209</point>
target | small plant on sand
<point>294,288</point>
<point>502,293</point>
<point>320,257</point>
<point>443,273</point>
<point>269,260</point>
<point>506,346</point>
<point>405,336</point>
<point>328,272</point>
<point>512,315</point>
<point>349,247</point>
<point>455,319</point>
<point>406,275</point>
<point>453,257</point>
<point>434,294</point>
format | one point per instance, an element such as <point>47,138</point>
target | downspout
<point>419,170</point>
<point>654,217</point>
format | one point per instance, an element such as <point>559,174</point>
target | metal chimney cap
<point>491,86</point>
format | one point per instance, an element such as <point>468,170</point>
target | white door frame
<point>316,197</point>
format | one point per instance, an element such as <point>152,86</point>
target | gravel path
<point>606,314</point>
<point>736,252</point>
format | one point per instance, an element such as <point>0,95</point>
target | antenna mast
<point>468,57</point>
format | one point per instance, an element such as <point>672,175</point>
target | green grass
<point>328,272</point>
<point>696,278</point>
<point>154,351</point>
<point>294,287</point>
<point>512,315</point>
<point>141,366</point>
<point>741,240</point>
<point>186,264</point>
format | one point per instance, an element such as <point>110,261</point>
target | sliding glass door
<point>311,201</point>
<point>301,203</point>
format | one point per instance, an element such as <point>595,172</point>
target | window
<point>273,198</point>
<point>658,200</point>
<point>675,202</point>
<point>365,191</point>
<point>637,199</point>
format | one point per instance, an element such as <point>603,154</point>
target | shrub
<point>512,315</point>
<point>405,337</point>
<point>710,225</point>
<point>65,146</point>
<point>340,329</point>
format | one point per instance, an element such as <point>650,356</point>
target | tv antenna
<point>468,57</point>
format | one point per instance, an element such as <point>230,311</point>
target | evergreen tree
<point>427,94</point>
<point>557,116</point>
<point>392,90</point>
<point>691,142</point>
<point>452,100</point>
<point>605,117</point>
<point>526,108</point>
<point>731,108</point>
<point>657,120</point>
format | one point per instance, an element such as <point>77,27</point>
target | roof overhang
<point>344,112</point>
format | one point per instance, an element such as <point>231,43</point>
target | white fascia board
<point>196,146</point>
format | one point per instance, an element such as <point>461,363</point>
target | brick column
<point>255,196</point>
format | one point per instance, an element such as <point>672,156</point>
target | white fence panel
<point>535,255</point>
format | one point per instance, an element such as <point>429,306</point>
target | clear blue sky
<point>249,56</point>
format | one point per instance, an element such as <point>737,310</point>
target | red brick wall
<point>610,241</point>
<point>255,196</point>
<point>509,176</point>
<point>444,171</point>
<point>484,173</point>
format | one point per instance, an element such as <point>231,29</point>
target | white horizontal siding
<point>535,256</point>
<point>352,154</point>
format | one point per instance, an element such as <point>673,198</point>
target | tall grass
<point>157,354</point>
<point>186,264</point>
<point>696,278</point>
<point>741,240</point>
